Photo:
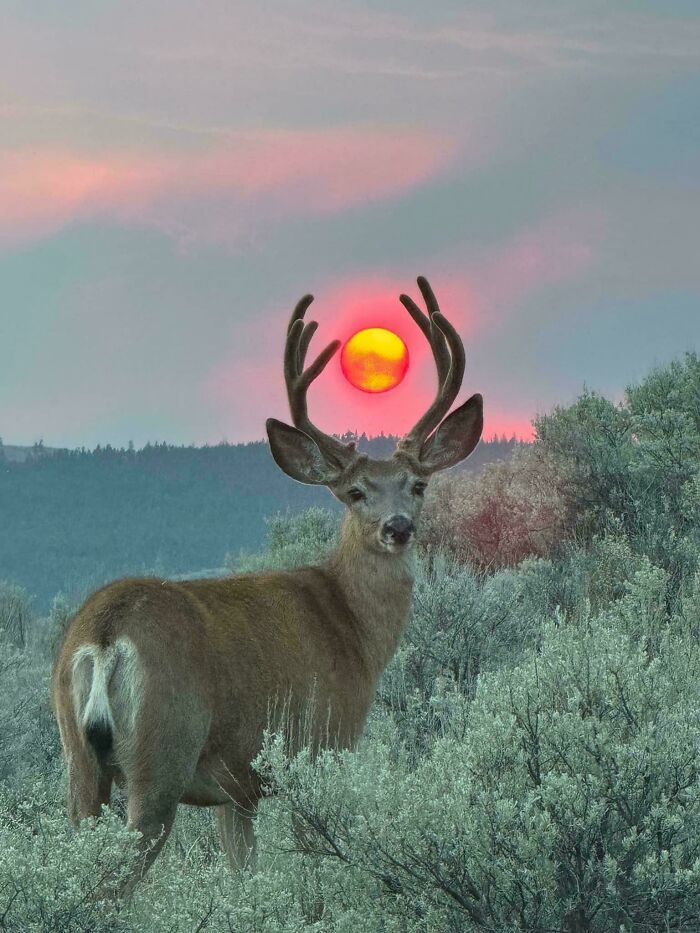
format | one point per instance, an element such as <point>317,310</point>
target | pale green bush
<point>564,796</point>
<point>29,746</point>
<point>463,622</point>
<point>634,467</point>
<point>15,614</point>
<point>292,541</point>
<point>52,878</point>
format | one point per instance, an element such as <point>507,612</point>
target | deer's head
<point>384,497</point>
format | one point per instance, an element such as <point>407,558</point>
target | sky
<point>174,176</point>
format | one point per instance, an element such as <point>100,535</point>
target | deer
<point>165,688</point>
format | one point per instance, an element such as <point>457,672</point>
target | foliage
<point>509,511</point>
<point>463,623</point>
<point>635,466</point>
<point>292,541</point>
<point>595,468</point>
<point>29,746</point>
<point>564,796</point>
<point>52,878</point>
<point>15,614</point>
<point>49,635</point>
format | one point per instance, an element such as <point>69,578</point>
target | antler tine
<point>298,380</point>
<point>304,341</point>
<point>448,352</point>
<point>433,334</point>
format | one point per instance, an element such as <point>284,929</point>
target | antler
<point>298,380</point>
<point>448,353</point>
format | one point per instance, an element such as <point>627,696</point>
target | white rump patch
<point>107,685</point>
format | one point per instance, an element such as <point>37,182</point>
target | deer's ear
<point>298,455</point>
<point>456,437</point>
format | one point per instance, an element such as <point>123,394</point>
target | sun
<point>374,360</point>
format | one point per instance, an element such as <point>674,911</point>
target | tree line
<point>72,519</point>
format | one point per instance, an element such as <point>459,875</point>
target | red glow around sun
<point>374,360</point>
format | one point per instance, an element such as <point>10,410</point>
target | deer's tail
<point>99,710</point>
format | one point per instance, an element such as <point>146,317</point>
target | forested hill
<point>71,519</point>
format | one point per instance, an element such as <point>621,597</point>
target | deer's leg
<point>159,767</point>
<point>237,833</point>
<point>153,815</point>
<point>89,783</point>
<point>88,789</point>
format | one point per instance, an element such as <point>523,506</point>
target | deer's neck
<point>377,588</point>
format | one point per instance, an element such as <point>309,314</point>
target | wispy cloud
<point>167,60</point>
<point>556,250</point>
<point>256,178</point>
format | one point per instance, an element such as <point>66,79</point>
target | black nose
<point>399,529</point>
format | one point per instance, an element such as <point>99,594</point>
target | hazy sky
<point>175,175</point>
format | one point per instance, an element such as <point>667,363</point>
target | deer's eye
<point>419,488</point>
<point>356,495</point>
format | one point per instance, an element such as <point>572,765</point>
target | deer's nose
<point>398,528</point>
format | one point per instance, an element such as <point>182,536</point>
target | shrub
<point>564,796</point>
<point>510,511</point>
<point>55,878</point>
<point>15,614</point>
<point>50,634</point>
<point>463,623</point>
<point>292,541</point>
<point>634,467</point>
<point>29,742</point>
<point>51,877</point>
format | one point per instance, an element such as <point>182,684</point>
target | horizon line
<point>224,442</point>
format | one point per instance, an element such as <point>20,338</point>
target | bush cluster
<point>594,467</point>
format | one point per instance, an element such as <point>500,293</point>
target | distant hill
<point>72,519</point>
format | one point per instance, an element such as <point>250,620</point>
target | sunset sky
<point>175,175</point>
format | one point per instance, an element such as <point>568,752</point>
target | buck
<point>167,687</point>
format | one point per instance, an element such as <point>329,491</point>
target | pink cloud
<point>558,249</point>
<point>258,177</point>
<point>39,192</point>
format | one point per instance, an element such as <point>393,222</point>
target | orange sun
<point>374,360</point>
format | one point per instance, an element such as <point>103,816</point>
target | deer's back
<point>243,645</point>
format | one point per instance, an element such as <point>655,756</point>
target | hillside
<point>72,519</point>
